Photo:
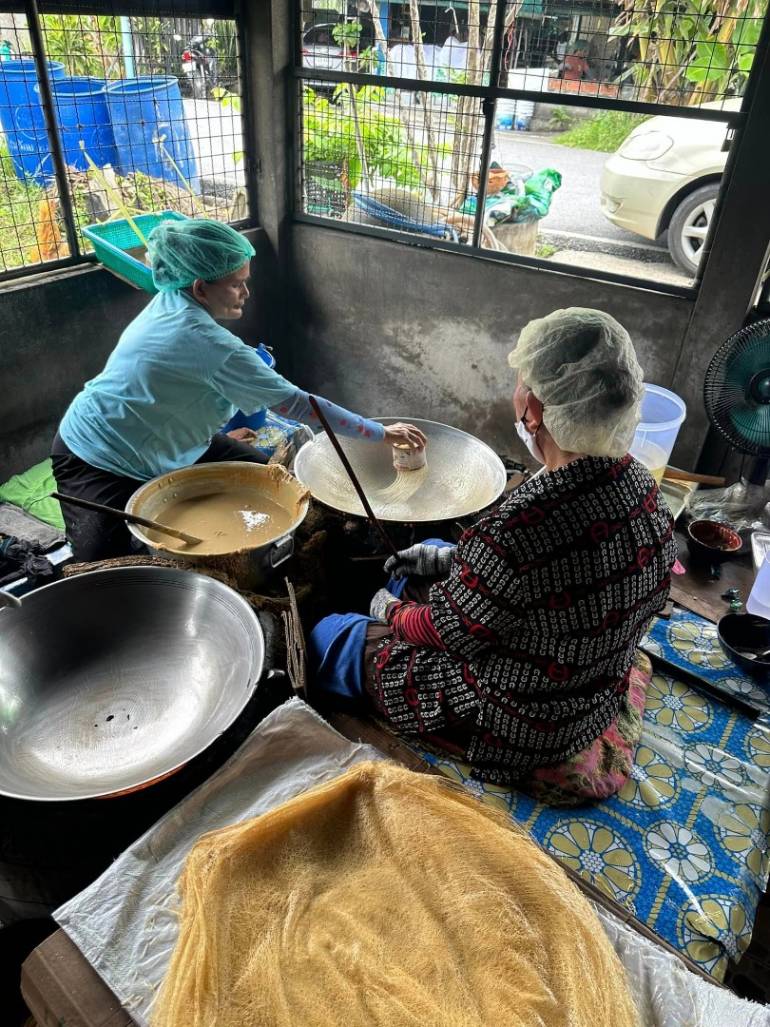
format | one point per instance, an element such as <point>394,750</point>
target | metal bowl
<point>462,476</point>
<point>113,679</point>
<point>745,638</point>
<point>247,567</point>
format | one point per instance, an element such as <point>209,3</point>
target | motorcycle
<point>199,67</point>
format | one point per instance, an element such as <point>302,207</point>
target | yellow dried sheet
<point>386,898</point>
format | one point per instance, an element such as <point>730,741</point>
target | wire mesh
<point>148,114</point>
<point>30,233</point>
<point>644,211</point>
<point>391,159</point>
<point>612,211</point>
<point>674,54</point>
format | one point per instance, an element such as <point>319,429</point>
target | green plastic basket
<point>111,239</point>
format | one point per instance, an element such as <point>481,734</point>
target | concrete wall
<point>57,331</point>
<point>392,329</point>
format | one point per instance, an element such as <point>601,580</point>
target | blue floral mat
<point>684,845</point>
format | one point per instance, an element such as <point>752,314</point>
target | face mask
<point>529,441</point>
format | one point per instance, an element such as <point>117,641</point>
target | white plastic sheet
<point>125,922</point>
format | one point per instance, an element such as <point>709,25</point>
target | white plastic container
<point>534,79</point>
<point>758,602</point>
<point>662,415</point>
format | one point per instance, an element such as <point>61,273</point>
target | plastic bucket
<point>81,110</point>
<point>22,118</point>
<point>662,415</point>
<point>148,122</point>
<point>257,419</point>
<point>505,114</point>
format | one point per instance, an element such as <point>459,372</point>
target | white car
<point>665,177</point>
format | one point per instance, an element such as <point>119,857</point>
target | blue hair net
<point>181,251</point>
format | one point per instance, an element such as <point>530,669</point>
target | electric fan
<point>737,396</point>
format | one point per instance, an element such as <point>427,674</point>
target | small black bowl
<point>739,632</point>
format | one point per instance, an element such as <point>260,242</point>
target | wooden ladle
<point>145,522</point>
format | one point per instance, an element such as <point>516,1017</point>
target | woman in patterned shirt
<point>520,657</point>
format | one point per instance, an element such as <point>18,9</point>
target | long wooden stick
<point>88,504</point>
<point>352,475</point>
<point>674,474</point>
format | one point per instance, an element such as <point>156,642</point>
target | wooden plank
<point>61,987</point>
<point>696,591</point>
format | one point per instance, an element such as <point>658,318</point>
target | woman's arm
<point>249,384</point>
<point>412,623</point>
<point>344,422</point>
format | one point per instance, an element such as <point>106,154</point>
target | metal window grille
<point>397,103</point>
<point>106,116</point>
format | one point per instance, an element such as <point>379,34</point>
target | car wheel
<point>690,225</point>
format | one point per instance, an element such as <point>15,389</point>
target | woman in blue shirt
<point>173,379</point>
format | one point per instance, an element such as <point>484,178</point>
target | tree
<point>690,51</point>
<point>469,125</point>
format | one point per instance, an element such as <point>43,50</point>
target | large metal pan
<point>113,679</point>
<point>462,476</point>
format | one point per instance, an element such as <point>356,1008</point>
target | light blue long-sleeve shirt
<point>174,378</point>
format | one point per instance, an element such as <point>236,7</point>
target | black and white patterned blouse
<point>536,626</point>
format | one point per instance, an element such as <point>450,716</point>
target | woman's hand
<point>381,602</point>
<point>404,433</point>
<point>242,435</point>
<point>425,561</point>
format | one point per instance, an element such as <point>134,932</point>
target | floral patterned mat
<point>685,845</point>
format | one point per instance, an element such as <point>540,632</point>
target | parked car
<point>665,177</point>
<point>320,50</point>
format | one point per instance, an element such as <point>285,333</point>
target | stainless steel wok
<point>463,475</point>
<point>113,679</point>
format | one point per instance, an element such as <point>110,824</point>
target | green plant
<point>86,44</point>
<point>229,102</point>
<point>329,136</point>
<point>544,250</point>
<point>690,51</point>
<point>604,131</point>
<point>19,204</point>
<point>225,40</point>
<point>561,119</point>
<point>347,33</point>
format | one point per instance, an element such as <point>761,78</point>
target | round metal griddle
<point>113,679</point>
<point>463,475</point>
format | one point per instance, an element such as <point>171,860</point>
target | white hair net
<point>581,365</point>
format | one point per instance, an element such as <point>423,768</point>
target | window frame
<point>32,10</point>
<point>488,97</point>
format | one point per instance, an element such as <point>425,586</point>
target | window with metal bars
<point>108,116</point>
<point>582,133</point>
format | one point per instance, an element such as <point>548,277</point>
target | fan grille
<point>737,389</point>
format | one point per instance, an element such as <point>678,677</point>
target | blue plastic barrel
<point>22,118</point>
<point>257,419</point>
<point>148,121</point>
<point>81,111</point>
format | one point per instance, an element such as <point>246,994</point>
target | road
<point>575,207</point>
